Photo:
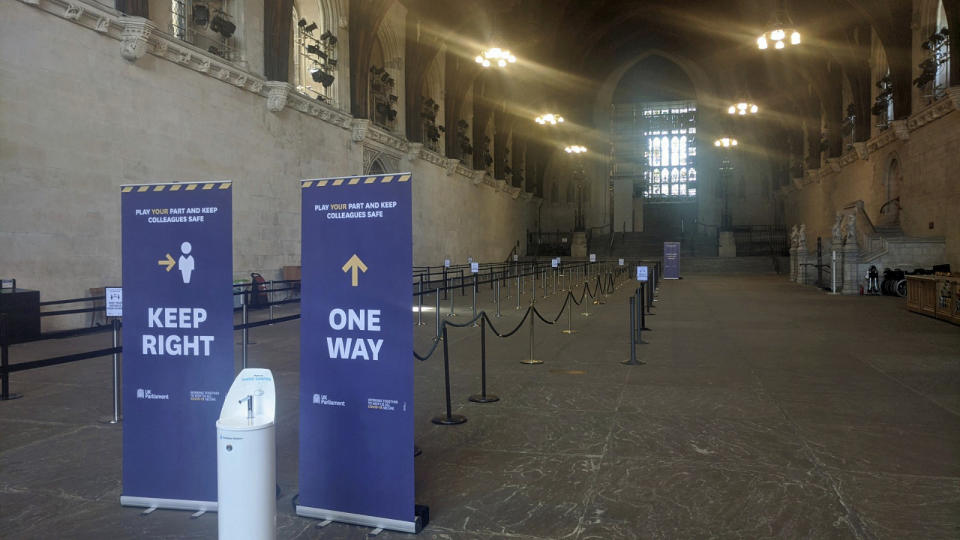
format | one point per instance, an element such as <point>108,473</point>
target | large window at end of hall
<point>670,149</point>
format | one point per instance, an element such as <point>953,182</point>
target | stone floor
<point>765,409</point>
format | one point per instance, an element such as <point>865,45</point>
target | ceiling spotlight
<point>501,57</point>
<point>575,149</point>
<point>549,119</point>
<point>725,142</point>
<point>311,27</point>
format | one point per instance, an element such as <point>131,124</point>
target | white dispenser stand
<point>247,458</point>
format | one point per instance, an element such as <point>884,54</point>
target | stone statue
<point>838,231</point>
<point>802,237</point>
<point>852,229</point>
<point>793,237</point>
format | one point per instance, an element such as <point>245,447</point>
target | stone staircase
<point>640,245</point>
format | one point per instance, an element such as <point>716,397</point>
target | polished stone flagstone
<point>764,409</point>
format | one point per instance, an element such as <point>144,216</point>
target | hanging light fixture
<point>575,149</point>
<point>549,119</point>
<point>725,142</point>
<point>495,55</point>
<point>781,31</point>
<point>743,108</point>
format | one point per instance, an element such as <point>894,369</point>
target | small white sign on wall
<point>641,273</point>
<point>621,262</point>
<point>474,267</point>
<point>446,263</point>
<point>593,257</point>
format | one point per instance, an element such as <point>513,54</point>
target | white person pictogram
<point>185,264</point>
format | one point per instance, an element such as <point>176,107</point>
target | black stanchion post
<point>116,372</point>
<point>449,419</point>
<point>437,313</point>
<point>463,291</point>
<point>498,299</point>
<point>445,284</point>
<point>483,397</point>
<point>244,333</point>
<point>632,361</point>
<point>5,394</point>
<point>641,300</point>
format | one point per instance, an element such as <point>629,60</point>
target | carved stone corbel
<point>451,166</point>
<point>133,39</point>
<point>359,129</point>
<point>103,25</point>
<point>862,150</point>
<point>834,164</point>
<point>477,176</point>
<point>901,130</point>
<point>73,12</point>
<point>954,93</point>
<point>413,151</point>
<point>277,92</point>
<point>515,193</point>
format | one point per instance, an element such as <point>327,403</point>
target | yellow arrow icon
<point>168,262</point>
<point>354,264</point>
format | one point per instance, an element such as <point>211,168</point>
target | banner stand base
<point>421,518</point>
<point>169,504</point>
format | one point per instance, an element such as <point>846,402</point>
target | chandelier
<point>725,142</point>
<point>781,27</point>
<point>743,108</point>
<point>495,55</point>
<point>549,119</point>
<point>575,149</point>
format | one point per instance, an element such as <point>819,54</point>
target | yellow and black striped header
<point>175,186</point>
<point>355,180</point>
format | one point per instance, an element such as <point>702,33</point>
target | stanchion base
<point>421,324</point>
<point>452,421</point>
<point>480,398</point>
<point>531,361</point>
<point>585,314</point>
<point>451,315</point>
<point>11,396</point>
<point>110,420</point>
<point>598,302</point>
<point>568,332</point>
<point>629,363</point>
<point>416,451</point>
<point>438,338</point>
<point>645,329</point>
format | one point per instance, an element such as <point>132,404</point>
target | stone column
<point>793,264</point>
<point>850,254</point>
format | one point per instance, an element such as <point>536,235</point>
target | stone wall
<point>77,120</point>
<point>926,149</point>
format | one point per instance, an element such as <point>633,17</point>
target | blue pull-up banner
<point>177,340</point>
<point>671,260</point>
<point>356,352</point>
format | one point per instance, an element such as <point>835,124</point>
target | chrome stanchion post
<point>420,303</point>
<point>270,297</point>
<point>243,337</point>
<point>498,298</point>
<point>475,323</point>
<point>451,314</point>
<point>569,330</point>
<point>483,397</point>
<point>531,360</point>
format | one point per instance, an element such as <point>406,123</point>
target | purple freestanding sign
<point>671,260</point>
<point>356,352</point>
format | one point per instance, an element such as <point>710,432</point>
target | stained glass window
<point>670,133</point>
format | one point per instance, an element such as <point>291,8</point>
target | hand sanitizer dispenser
<point>247,458</point>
